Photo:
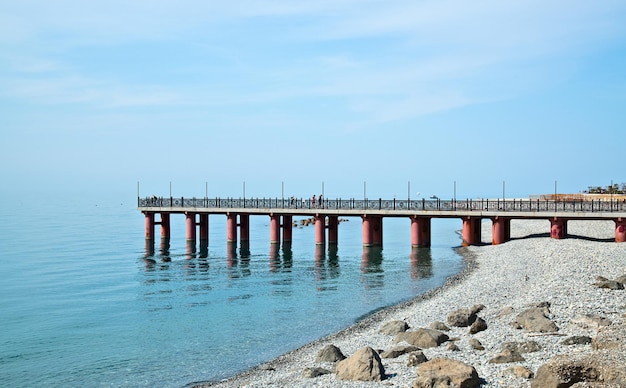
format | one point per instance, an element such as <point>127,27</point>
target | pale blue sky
<point>97,95</point>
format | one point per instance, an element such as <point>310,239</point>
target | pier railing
<point>512,205</point>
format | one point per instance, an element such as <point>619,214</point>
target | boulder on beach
<point>330,353</point>
<point>444,372</point>
<point>364,365</point>
<point>462,317</point>
<point>423,338</point>
<point>565,371</point>
<point>313,372</point>
<point>398,351</point>
<point>534,319</point>
<point>394,327</point>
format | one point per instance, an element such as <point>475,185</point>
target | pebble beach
<point>528,270</point>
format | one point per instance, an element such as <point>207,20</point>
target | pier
<point>418,213</point>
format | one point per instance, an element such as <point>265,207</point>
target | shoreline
<point>528,269</point>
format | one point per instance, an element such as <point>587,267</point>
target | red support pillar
<point>165,225</point>
<point>287,228</point>
<point>274,229</point>
<point>420,231</point>
<point>231,227</point>
<point>620,230</point>
<point>190,226</point>
<point>377,231</point>
<point>558,228</point>
<point>368,238</point>
<point>204,227</point>
<point>471,231</point>
<point>320,229</point>
<point>500,230</point>
<point>244,227</point>
<point>333,230</point>
<point>149,225</point>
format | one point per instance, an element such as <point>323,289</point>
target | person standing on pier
<point>313,201</point>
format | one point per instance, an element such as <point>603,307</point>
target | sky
<point>371,98</point>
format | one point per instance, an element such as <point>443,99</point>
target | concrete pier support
<point>287,228</point>
<point>620,230</point>
<point>244,228</point>
<point>320,229</point>
<point>372,231</point>
<point>149,225</point>
<point>204,228</point>
<point>500,230</point>
<point>333,230</point>
<point>190,224</point>
<point>231,227</point>
<point>274,229</point>
<point>420,232</point>
<point>471,231</point>
<point>165,225</point>
<point>558,228</point>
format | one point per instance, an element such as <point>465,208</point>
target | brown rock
<point>423,338</point>
<point>439,326</point>
<point>363,365</point>
<point>519,371</point>
<point>506,356</point>
<point>394,327</point>
<point>478,326</point>
<point>561,371</point>
<point>416,358</point>
<point>398,351</point>
<point>444,372</point>
<point>314,372</point>
<point>534,319</point>
<point>591,321</point>
<point>330,353</point>
<point>461,317</point>
<point>475,344</point>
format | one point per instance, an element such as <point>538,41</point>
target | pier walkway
<point>372,212</point>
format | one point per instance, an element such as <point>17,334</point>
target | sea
<point>87,302</point>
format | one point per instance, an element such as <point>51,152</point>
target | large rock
<point>563,371</point>
<point>330,353</point>
<point>394,327</point>
<point>398,351</point>
<point>444,372</point>
<point>363,365</point>
<point>535,319</point>
<point>423,338</point>
<point>462,317</point>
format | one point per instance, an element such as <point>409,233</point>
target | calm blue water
<point>85,302</point>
